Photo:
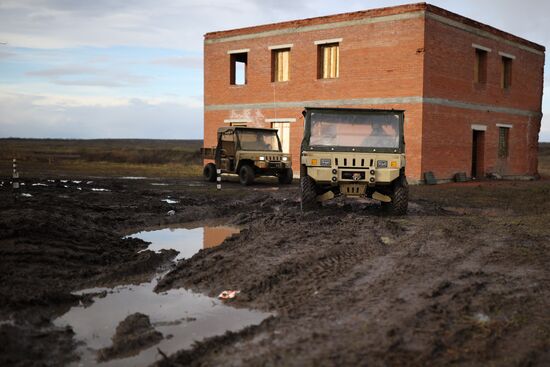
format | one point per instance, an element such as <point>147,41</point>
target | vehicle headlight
<point>382,164</point>
<point>262,158</point>
<point>285,159</point>
<point>325,162</point>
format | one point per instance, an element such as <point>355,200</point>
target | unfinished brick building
<point>472,93</point>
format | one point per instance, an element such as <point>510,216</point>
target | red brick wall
<point>449,74</point>
<point>413,57</point>
<point>449,69</point>
<point>376,61</point>
<point>447,142</point>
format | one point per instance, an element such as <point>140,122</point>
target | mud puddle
<point>170,201</point>
<point>181,316</point>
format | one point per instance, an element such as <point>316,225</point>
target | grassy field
<point>122,157</point>
<point>101,157</point>
<point>544,159</point>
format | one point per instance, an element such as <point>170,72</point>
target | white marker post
<point>15,175</point>
<point>219,179</point>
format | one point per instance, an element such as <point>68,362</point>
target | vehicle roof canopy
<point>353,147</point>
<point>233,128</point>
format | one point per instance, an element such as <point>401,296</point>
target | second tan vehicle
<point>356,153</point>
<point>248,152</point>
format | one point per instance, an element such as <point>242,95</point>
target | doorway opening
<point>478,145</point>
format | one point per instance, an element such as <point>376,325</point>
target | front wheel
<point>209,172</point>
<point>399,198</point>
<point>285,177</point>
<point>246,175</point>
<point>308,192</point>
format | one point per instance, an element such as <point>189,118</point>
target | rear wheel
<point>209,172</point>
<point>246,175</point>
<point>399,198</point>
<point>285,177</point>
<point>308,192</point>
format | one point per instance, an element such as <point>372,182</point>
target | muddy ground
<point>463,279</point>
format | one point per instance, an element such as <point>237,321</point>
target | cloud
<point>171,24</point>
<point>177,26</point>
<point>180,24</point>
<point>544,132</point>
<point>64,71</point>
<point>76,75</point>
<point>51,99</point>
<point>187,62</point>
<point>6,54</point>
<point>108,83</point>
<point>69,117</point>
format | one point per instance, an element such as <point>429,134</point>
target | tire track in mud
<point>297,287</point>
<point>349,286</point>
<point>407,293</point>
<point>309,274</point>
<point>282,258</point>
<point>450,299</point>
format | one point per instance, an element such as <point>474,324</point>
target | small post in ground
<point>219,179</point>
<point>15,175</point>
<point>15,180</point>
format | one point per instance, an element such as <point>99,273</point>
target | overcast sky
<point>133,69</point>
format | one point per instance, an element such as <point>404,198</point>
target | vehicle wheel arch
<point>243,162</point>
<point>209,172</point>
<point>303,170</point>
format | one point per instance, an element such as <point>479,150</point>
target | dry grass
<point>79,168</point>
<point>105,157</point>
<point>122,157</point>
<point>544,159</point>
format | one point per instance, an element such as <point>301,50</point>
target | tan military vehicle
<point>356,153</point>
<point>248,152</point>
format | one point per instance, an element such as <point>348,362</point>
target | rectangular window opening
<point>283,130</point>
<point>328,60</point>
<point>503,136</point>
<point>280,65</point>
<point>506,81</point>
<point>480,66</point>
<point>238,66</point>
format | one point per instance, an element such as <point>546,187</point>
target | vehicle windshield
<point>258,140</point>
<point>359,130</point>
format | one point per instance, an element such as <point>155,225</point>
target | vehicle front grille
<point>354,162</point>
<point>273,158</point>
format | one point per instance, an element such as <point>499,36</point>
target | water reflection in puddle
<point>184,240</point>
<point>180,315</point>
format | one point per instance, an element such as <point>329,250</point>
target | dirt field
<point>463,279</point>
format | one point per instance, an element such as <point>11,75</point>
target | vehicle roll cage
<point>348,111</point>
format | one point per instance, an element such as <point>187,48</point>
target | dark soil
<point>463,279</point>
<point>132,335</point>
